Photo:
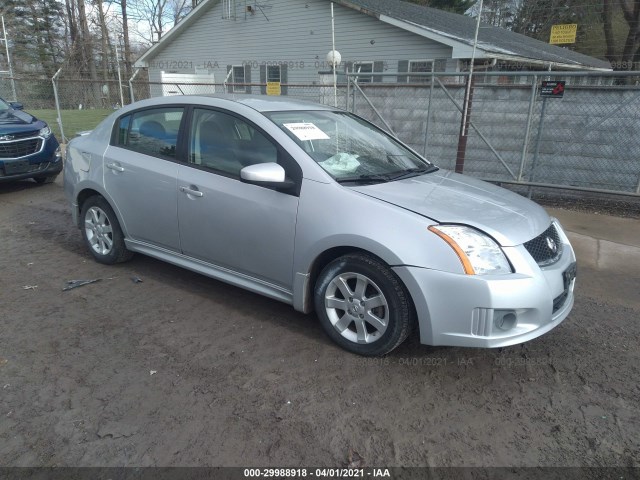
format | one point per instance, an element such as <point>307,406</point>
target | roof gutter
<point>463,50</point>
<point>358,8</point>
<point>545,63</point>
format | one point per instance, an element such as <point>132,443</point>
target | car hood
<point>14,121</point>
<point>448,197</point>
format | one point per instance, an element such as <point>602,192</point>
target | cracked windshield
<point>348,148</point>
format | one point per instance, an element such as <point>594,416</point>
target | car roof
<point>260,103</point>
<point>270,104</point>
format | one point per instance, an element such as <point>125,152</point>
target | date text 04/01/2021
<point>318,472</point>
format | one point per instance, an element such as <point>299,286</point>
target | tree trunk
<point>104,33</point>
<point>631,13</point>
<point>93,94</point>
<point>125,34</point>
<point>87,44</point>
<point>608,31</point>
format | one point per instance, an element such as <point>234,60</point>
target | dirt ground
<point>182,370</point>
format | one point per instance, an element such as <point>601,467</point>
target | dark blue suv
<point>28,149</point>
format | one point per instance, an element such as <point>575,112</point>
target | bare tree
<point>154,13</point>
<point>125,38</point>
<point>179,9</point>
<point>631,11</point>
<point>104,39</point>
<point>607,25</point>
<point>87,48</point>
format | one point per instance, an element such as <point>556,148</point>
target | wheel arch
<point>90,191</point>
<point>323,259</point>
<point>82,197</point>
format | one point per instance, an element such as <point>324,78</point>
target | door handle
<point>190,191</point>
<point>116,167</point>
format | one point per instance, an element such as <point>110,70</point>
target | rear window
<point>152,132</point>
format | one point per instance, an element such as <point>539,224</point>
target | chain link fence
<point>583,137</point>
<point>587,139</point>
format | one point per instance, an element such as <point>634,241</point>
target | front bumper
<point>493,310</point>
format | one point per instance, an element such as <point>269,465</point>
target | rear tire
<point>49,179</point>
<point>363,305</point>
<point>102,233</point>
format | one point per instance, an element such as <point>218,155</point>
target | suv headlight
<point>45,132</point>
<point>479,253</point>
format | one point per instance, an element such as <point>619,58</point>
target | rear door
<point>140,175</point>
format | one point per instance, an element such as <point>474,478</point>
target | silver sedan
<point>320,209</point>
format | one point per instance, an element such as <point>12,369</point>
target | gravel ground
<point>182,370</point>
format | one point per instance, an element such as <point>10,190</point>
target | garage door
<point>198,83</point>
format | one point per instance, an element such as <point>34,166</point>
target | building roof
<point>452,29</point>
<point>493,41</point>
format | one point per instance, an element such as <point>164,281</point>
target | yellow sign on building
<point>565,33</point>
<point>273,88</point>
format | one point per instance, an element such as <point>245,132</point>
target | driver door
<point>245,228</point>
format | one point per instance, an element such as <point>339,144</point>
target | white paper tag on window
<point>306,131</point>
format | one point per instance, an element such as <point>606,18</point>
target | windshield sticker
<point>306,131</point>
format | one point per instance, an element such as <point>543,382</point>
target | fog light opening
<point>505,319</point>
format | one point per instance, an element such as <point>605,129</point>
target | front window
<point>225,143</point>
<point>4,106</point>
<point>420,66</point>
<point>348,148</point>
<point>273,73</point>
<point>363,67</point>
<point>237,78</point>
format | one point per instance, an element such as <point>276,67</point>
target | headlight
<point>45,132</point>
<point>479,254</point>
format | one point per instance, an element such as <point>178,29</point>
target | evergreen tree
<point>36,30</point>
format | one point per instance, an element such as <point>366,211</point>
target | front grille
<point>546,248</point>
<point>21,148</point>
<point>19,135</point>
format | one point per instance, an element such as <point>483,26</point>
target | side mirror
<point>270,175</point>
<point>16,105</point>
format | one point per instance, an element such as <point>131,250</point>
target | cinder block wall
<point>589,138</point>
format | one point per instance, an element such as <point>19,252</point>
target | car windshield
<point>4,105</point>
<point>348,148</point>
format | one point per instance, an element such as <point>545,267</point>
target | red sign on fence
<point>552,88</point>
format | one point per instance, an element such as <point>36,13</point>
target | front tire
<point>362,305</point>
<point>102,233</point>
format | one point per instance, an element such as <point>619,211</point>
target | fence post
<point>463,137</point>
<point>355,84</point>
<point>55,95</point>
<point>426,127</point>
<point>525,146</point>
<point>534,162</point>
<point>119,78</point>
<point>131,84</point>
<point>6,46</point>
<point>473,125</point>
<point>346,103</point>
